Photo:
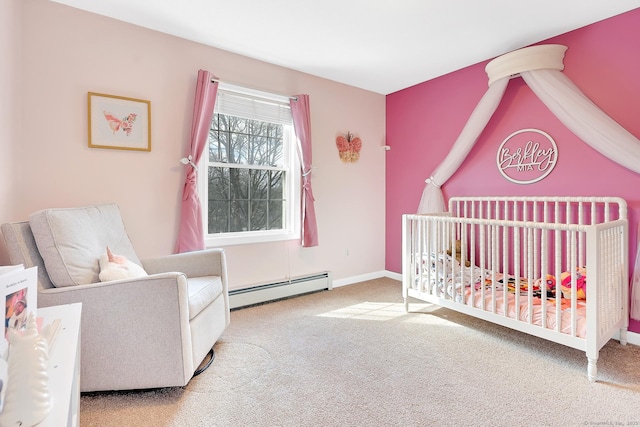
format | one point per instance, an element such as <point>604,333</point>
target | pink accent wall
<point>423,121</point>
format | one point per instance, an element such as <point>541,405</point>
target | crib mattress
<point>441,279</point>
<point>535,314</point>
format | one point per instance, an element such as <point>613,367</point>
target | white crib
<point>505,260</point>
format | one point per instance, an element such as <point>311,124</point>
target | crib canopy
<point>541,68</point>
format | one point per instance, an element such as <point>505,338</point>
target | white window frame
<point>292,215</point>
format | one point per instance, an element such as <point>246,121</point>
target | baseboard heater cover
<point>279,290</point>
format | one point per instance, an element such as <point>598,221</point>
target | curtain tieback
<point>188,161</point>
<point>304,174</point>
<point>431,181</point>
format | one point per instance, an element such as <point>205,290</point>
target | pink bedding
<point>524,314</point>
<point>440,279</point>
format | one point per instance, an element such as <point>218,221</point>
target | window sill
<point>231,239</point>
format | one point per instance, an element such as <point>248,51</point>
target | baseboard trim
<point>632,338</point>
<point>357,279</point>
<point>364,277</point>
<point>395,276</point>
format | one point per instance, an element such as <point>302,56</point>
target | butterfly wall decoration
<point>126,124</point>
<point>349,147</point>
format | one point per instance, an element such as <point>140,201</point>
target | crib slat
<point>557,273</point>
<point>529,259</point>
<point>490,275</point>
<point>544,266</point>
<point>517,244</point>
<point>494,266</point>
<point>574,289</point>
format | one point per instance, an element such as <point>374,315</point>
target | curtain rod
<point>295,98</point>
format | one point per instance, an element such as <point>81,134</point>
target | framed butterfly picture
<point>119,122</point>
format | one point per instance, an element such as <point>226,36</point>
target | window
<point>250,180</point>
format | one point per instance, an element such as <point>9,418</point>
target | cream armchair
<point>145,332</point>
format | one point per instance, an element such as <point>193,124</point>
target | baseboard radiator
<point>279,290</point>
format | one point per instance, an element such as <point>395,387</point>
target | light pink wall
<point>423,122</point>
<point>66,53</point>
<point>10,125</point>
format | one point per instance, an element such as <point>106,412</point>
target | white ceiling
<point>379,45</point>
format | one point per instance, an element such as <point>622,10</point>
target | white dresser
<point>64,365</point>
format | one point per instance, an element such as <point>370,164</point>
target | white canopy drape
<point>541,68</point>
<point>432,198</point>
<point>500,70</point>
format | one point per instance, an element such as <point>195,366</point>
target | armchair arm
<point>135,333</point>
<point>207,262</point>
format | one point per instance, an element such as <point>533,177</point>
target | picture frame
<point>18,287</point>
<point>119,122</point>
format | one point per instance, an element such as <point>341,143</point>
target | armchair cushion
<point>202,292</point>
<point>72,240</point>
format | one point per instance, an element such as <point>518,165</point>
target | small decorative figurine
<point>27,399</point>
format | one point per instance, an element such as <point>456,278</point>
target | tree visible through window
<point>246,175</point>
<point>249,184</point>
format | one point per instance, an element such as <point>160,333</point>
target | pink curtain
<point>302,124</point>
<point>191,232</point>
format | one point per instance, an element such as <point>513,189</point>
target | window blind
<point>252,106</point>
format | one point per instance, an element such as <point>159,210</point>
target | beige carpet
<point>352,357</point>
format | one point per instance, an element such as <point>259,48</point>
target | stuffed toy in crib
<point>459,253</point>
<point>550,283</point>
<point>581,283</point>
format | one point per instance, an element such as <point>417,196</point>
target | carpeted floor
<point>352,357</point>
